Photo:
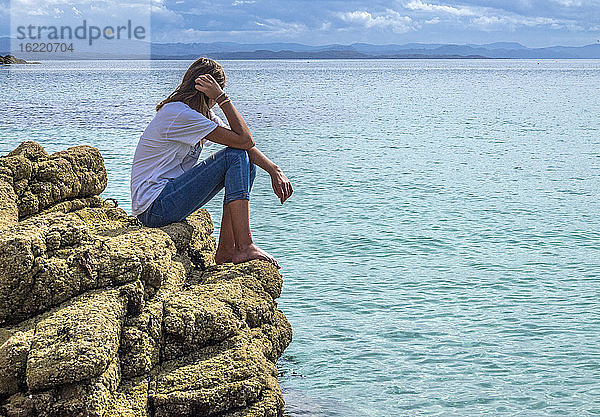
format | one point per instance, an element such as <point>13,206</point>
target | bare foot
<point>222,257</point>
<point>252,252</point>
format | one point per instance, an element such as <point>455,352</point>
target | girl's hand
<point>281,185</point>
<point>206,84</point>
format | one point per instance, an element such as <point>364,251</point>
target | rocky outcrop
<point>9,59</point>
<point>100,316</point>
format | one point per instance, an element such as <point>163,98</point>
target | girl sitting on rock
<point>167,183</point>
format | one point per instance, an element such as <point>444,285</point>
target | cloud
<point>92,11</point>
<point>489,23</point>
<point>393,21</point>
<point>494,16</point>
<point>568,3</point>
<point>161,15</point>
<point>390,19</point>
<point>278,26</point>
<point>428,7</point>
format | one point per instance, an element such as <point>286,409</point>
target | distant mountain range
<point>233,50</point>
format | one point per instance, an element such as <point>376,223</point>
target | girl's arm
<point>280,183</point>
<point>260,159</point>
<point>239,135</point>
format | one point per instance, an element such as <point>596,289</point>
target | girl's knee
<point>241,155</point>
<point>236,151</point>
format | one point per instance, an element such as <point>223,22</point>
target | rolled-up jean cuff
<point>242,195</point>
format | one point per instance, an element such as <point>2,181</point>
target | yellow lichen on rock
<point>100,316</point>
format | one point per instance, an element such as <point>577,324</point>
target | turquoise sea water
<point>441,250</point>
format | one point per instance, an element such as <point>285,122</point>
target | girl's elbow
<point>248,142</point>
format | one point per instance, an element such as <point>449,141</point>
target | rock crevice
<point>100,316</point>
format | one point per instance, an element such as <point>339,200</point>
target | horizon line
<point>360,42</point>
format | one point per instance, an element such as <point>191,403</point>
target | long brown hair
<point>186,91</point>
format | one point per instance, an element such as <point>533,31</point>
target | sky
<point>533,23</point>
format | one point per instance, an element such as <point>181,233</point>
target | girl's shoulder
<point>174,106</point>
<point>181,110</point>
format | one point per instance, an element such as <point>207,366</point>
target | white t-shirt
<point>170,145</point>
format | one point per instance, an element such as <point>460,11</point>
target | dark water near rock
<point>441,251</point>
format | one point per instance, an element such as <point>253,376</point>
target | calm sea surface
<point>441,250</point>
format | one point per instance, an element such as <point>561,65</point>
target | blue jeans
<point>230,168</point>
